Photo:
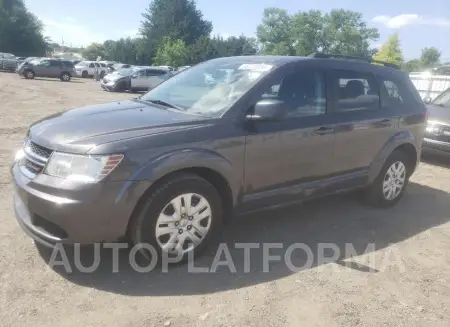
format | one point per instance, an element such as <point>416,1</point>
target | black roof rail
<point>339,56</point>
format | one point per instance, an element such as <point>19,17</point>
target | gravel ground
<point>404,281</point>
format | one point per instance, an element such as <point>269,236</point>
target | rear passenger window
<point>302,93</point>
<point>355,91</point>
<point>103,65</point>
<point>55,63</point>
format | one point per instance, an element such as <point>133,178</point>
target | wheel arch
<point>403,141</point>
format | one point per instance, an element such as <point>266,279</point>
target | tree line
<point>175,33</point>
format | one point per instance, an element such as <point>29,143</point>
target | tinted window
<point>91,65</point>
<point>303,93</point>
<point>103,65</point>
<point>395,93</point>
<point>142,73</point>
<point>154,72</point>
<point>355,91</point>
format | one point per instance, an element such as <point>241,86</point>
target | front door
<point>140,80</point>
<point>42,68</point>
<point>283,156</point>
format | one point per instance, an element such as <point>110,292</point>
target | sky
<point>420,23</point>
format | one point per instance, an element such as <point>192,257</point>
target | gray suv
<point>169,167</point>
<point>45,67</point>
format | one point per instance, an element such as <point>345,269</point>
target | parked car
<point>20,60</point>
<point>87,69</point>
<point>8,61</point>
<point>135,79</point>
<point>47,67</point>
<point>115,67</point>
<point>180,69</point>
<point>167,168</point>
<point>119,80</point>
<point>437,134</point>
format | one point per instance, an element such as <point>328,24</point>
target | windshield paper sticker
<point>256,67</point>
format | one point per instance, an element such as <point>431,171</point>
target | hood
<point>79,130</point>
<point>114,76</point>
<point>439,114</point>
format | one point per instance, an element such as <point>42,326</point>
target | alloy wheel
<point>394,180</point>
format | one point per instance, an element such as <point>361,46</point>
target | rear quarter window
<point>397,93</point>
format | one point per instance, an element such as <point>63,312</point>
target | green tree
<point>20,30</point>
<point>176,19</point>
<point>339,31</point>
<point>94,50</point>
<point>275,32</point>
<point>390,51</point>
<point>430,57</point>
<point>413,65</point>
<point>171,53</point>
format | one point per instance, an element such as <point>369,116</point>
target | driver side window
<point>44,63</point>
<point>304,93</point>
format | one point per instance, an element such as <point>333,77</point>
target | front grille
<point>35,158</point>
<point>40,150</point>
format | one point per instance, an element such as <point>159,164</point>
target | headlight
<point>111,82</point>
<point>83,168</point>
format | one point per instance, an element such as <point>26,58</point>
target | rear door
<point>55,68</point>
<point>155,77</point>
<point>363,124</point>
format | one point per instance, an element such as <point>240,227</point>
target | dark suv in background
<point>45,67</point>
<point>167,168</point>
<point>437,135</point>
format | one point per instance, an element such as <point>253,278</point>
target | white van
<point>87,68</point>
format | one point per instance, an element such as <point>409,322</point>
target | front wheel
<point>179,218</point>
<point>390,185</point>
<point>29,74</point>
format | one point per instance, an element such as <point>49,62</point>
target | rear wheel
<point>182,216</point>
<point>389,187</point>
<point>65,77</point>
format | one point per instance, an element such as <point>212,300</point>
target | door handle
<point>385,122</point>
<point>324,130</point>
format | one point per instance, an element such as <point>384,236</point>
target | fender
<point>399,139</point>
<point>180,159</point>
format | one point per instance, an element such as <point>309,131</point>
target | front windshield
<point>124,71</point>
<point>210,88</point>
<point>443,100</point>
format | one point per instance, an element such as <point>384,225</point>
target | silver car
<point>8,61</point>
<point>135,79</point>
<point>146,78</point>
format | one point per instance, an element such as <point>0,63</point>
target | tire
<point>65,77</point>
<point>102,74</point>
<point>147,223</point>
<point>375,194</point>
<point>28,74</point>
<point>84,74</point>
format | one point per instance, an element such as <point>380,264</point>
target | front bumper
<point>437,147</point>
<point>108,87</point>
<point>53,210</point>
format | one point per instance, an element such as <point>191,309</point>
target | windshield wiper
<point>165,104</point>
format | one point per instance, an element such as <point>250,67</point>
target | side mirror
<point>134,76</point>
<point>427,100</point>
<point>268,109</point>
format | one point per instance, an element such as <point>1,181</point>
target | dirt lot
<point>404,282</point>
